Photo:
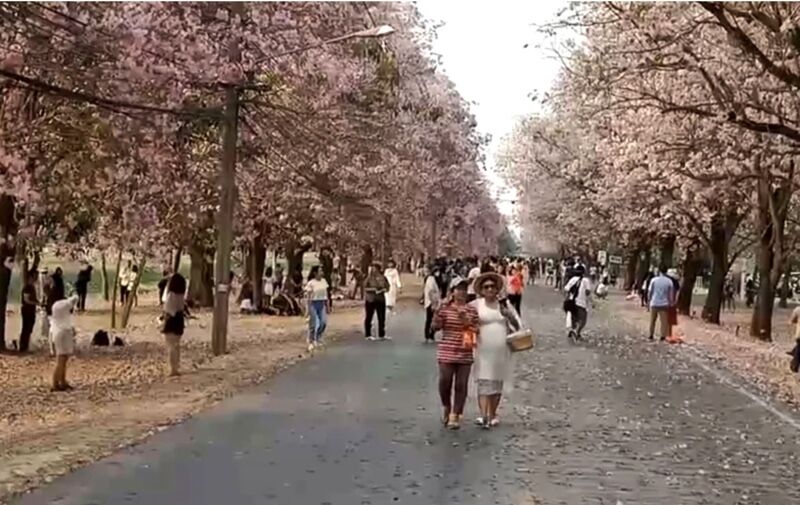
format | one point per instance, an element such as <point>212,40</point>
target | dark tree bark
<point>667,251</point>
<point>104,276</point>
<point>386,240</point>
<point>645,262</point>
<point>176,260</point>
<point>257,259</point>
<point>8,233</point>
<point>343,270</point>
<point>632,262</point>
<point>201,276</point>
<point>718,248</point>
<point>294,255</point>
<point>114,290</point>
<point>773,206</point>
<point>692,264</point>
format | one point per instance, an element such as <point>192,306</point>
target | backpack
<point>572,294</point>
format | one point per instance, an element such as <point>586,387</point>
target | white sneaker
<point>479,421</point>
<point>387,337</point>
<point>372,339</point>
<point>311,347</point>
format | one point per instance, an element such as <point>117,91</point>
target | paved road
<point>613,420</point>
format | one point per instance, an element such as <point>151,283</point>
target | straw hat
<point>488,276</point>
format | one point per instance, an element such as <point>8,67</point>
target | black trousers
<point>81,299</point>
<point>376,307</point>
<point>428,323</point>
<point>516,302</point>
<point>28,322</point>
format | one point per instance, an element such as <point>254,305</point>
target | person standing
<point>375,288</point>
<point>393,276</point>
<point>454,318</point>
<point>62,337</point>
<point>672,338</point>
<point>174,320</point>
<point>431,299</point>
<point>28,311</point>
<point>318,304</point>
<point>82,286</point>
<point>493,362</point>
<point>579,291</point>
<point>661,297</point>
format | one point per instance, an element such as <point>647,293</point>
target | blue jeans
<point>317,319</point>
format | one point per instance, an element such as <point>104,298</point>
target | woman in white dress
<point>493,362</point>
<point>393,276</point>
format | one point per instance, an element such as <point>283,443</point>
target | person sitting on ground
<point>246,298</point>
<point>62,338</point>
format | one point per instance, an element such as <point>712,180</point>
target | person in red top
<point>515,287</point>
<point>454,317</point>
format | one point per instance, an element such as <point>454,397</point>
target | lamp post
<point>227,197</point>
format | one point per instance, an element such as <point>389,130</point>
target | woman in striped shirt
<point>453,317</point>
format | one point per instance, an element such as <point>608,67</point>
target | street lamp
<point>227,196</point>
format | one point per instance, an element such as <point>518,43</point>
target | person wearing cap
<point>493,362</point>
<point>62,337</point>
<point>661,295</point>
<point>454,317</point>
<point>375,288</point>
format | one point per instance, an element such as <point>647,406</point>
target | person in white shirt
<point>431,298</point>
<point>62,338</point>
<point>579,292</point>
<point>269,286</point>
<point>474,273</point>
<point>393,276</point>
<point>316,290</point>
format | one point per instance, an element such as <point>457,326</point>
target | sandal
<point>446,417</point>
<point>453,422</point>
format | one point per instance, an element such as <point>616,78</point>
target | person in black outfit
<point>28,311</point>
<point>375,288</point>
<point>57,291</point>
<point>82,286</point>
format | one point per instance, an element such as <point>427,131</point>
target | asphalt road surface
<point>611,420</point>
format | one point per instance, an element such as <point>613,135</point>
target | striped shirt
<point>447,319</point>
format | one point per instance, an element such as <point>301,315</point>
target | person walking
<point>82,286</point>
<point>672,337</point>
<point>579,291</point>
<point>317,292</point>
<point>375,288</point>
<point>431,300</point>
<point>62,338</point>
<point>27,310</point>
<point>393,276</point>
<point>661,297</point>
<point>493,362</point>
<point>174,321</point>
<point>473,274</point>
<point>454,318</point>
<point>515,287</point>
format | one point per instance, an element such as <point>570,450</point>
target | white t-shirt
<point>431,292</point>
<point>473,274</point>
<point>582,299</point>
<point>796,318</point>
<point>317,289</point>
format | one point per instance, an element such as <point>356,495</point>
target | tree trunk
<point>386,240</point>
<point>294,256</point>
<point>8,233</point>
<point>201,282</point>
<point>126,311</point>
<point>761,322</point>
<point>630,270</point>
<point>645,261</point>
<point>432,244</point>
<point>114,291</point>
<point>718,248</point>
<point>104,276</point>
<point>691,268</point>
<point>176,260</point>
<point>342,270</point>
<point>667,251</point>
<point>258,260</point>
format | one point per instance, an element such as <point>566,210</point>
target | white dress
<point>493,362</point>
<point>393,276</point>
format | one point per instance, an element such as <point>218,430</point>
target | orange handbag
<point>469,339</point>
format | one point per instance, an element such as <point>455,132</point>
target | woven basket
<point>520,340</point>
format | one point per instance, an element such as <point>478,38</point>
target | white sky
<point>482,47</point>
